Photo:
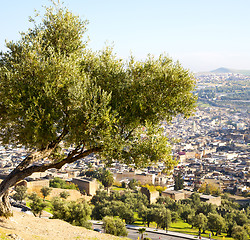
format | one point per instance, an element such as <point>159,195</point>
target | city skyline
<point>202,35</point>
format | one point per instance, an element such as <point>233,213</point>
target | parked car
<point>98,230</point>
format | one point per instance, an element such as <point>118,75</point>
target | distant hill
<point>228,70</point>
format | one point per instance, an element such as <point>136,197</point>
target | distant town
<point>211,147</point>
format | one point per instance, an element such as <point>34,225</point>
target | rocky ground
<point>23,226</point>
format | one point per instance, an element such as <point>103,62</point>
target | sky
<point>202,35</point>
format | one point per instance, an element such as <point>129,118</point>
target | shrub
<point>239,233</point>
<point>114,226</point>
<point>64,194</point>
<point>20,194</point>
<point>73,212</point>
<point>37,205</point>
<point>59,183</point>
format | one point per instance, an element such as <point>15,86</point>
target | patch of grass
<point>47,209</point>
<point>118,189</point>
<point>183,227</point>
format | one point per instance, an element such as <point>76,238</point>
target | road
<point>133,234</point>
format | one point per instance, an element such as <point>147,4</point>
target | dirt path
<point>27,227</point>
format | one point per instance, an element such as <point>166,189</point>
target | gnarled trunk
<point>5,207</point>
<point>25,169</point>
<point>11,180</point>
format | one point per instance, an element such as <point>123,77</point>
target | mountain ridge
<point>229,70</point>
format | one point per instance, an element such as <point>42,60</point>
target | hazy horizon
<point>203,36</point>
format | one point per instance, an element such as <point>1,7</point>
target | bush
<point>64,194</point>
<point>20,194</point>
<point>114,226</point>
<point>72,212</point>
<point>45,192</point>
<point>239,233</point>
<point>59,183</point>
<point>37,204</point>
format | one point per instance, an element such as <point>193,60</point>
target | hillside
<point>27,227</point>
<point>228,70</point>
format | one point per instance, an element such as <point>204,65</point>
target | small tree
<point>239,233</point>
<point>107,179</point>
<point>167,220</point>
<point>241,218</point>
<point>162,216</point>
<point>186,212</point>
<point>191,219</point>
<point>45,192</point>
<point>147,215</point>
<point>21,193</point>
<point>216,223</point>
<point>132,184</point>
<point>195,199</point>
<point>37,205</point>
<point>114,226</point>
<point>64,194</point>
<point>76,213</point>
<point>174,216</point>
<point>200,222</point>
<point>141,231</point>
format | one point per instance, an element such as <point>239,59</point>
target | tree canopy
<point>55,92</point>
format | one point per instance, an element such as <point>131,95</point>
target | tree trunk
<point>11,180</point>
<point>5,207</point>
<point>25,169</point>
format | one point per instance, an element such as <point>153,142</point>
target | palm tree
<point>141,231</point>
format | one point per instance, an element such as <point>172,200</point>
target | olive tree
<point>114,226</point>
<point>55,93</point>
<point>200,222</point>
<point>45,192</point>
<point>20,194</point>
<point>107,179</point>
<point>64,194</point>
<point>37,205</point>
<point>216,223</point>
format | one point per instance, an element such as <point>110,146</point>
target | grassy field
<point>183,227</point>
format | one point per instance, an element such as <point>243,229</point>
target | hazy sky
<point>201,34</point>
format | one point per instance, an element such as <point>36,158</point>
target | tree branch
<point>45,152</point>
<point>69,159</point>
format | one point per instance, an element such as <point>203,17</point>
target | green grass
<point>3,234</point>
<point>181,227</point>
<point>47,209</point>
<point>186,228</point>
<point>118,189</point>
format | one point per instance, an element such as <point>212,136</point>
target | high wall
<point>90,186</point>
<point>142,178</point>
<point>152,196</point>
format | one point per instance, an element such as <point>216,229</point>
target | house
<point>152,196</point>
<point>211,199</point>
<point>87,185</point>
<point>175,195</point>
